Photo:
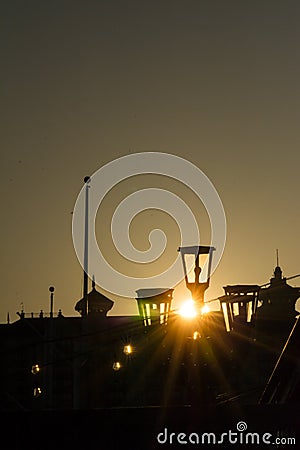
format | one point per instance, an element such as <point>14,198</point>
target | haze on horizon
<point>86,82</point>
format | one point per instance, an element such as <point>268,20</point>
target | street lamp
<point>239,305</point>
<point>197,281</point>
<point>154,305</point>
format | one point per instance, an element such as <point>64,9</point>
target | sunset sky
<point>85,82</point>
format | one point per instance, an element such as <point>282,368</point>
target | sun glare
<point>205,309</point>
<point>188,309</point>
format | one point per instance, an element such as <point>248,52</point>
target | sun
<point>188,309</point>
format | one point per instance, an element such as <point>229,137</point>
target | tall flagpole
<point>86,246</point>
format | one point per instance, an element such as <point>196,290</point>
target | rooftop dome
<point>97,303</point>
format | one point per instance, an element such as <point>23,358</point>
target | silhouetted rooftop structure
<point>97,303</point>
<point>279,298</point>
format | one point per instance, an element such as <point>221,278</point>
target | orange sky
<point>83,83</point>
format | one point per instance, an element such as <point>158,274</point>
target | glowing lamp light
<point>37,392</point>
<point>116,366</point>
<point>196,335</point>
<point>188,310</point>
<point>35,369</point>
<point>127,349</point>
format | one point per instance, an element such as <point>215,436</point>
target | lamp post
<point>51,290</point>
<point>197,284</point>
<point>198,357</point>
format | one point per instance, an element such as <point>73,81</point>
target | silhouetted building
<point>155,358</point>
<point>275,319</point>
<point>279,298</point>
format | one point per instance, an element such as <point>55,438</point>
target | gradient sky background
<point>85,82</point>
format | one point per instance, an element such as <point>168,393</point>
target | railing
<point>40,315</point>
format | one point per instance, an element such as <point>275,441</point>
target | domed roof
<point>97,303</point>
